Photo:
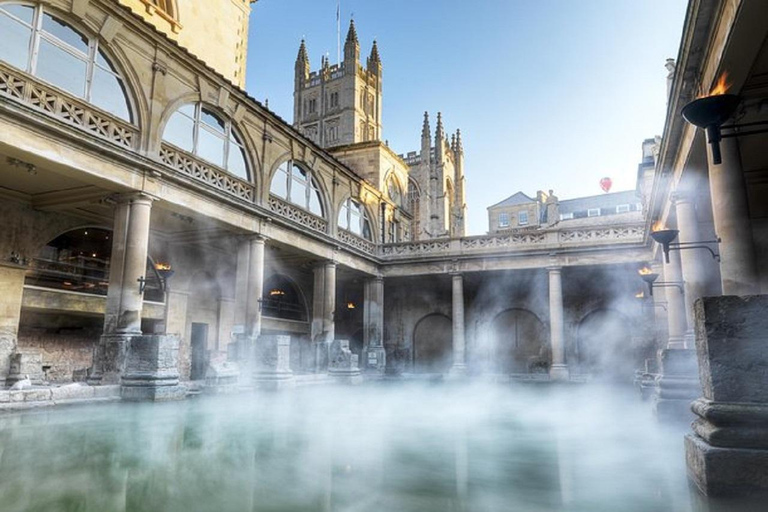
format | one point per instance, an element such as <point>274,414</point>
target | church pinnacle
<point>375,53</point>
<point>439,132</point>
<point>425,130</point>
<point>302,57</point>
<point>352,34</point>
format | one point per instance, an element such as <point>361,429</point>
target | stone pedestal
<point>342,363</point>
<point>677,385</point>
<point>376,359</point>
<point>12,286</point>
<point>26,363</point>
<point>222,377</point>
<point>109,359</point>
<point>727,452</point>
<point>272,368</point>
<point>152,369</point>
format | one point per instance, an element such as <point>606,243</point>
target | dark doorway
<point>199,343</point>
<point>521,342</point>
<point>433,344</point>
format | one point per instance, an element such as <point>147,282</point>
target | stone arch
<point>604,344</point>
<point>521,344</point>
<point>325,198</point>
<point>283,298</point>
<point>433,344</point>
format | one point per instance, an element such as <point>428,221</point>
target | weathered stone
<point>222,377</point>
<point>677,385</point>
<point>26,363</point>
<point>37,395</point>
<point>5,396</point>
<point>106,391</point>
<point>71,392</point>
<point>17,396</point>
<point>272,364</point>
<point>342,366</point>
<point>151,369</point>
<point>727,453</point>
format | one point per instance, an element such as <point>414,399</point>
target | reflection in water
<point>401,447</point>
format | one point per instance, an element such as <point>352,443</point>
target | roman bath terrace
<point>205,306</point>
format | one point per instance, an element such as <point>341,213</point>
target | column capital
<point>682,197</point>
<point>326,263</point>
<point>455,273</point>
<point>134,197</point>
<point>554,268</point>
<point>251,237</point>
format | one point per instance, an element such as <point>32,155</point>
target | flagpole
<point>338,32</point>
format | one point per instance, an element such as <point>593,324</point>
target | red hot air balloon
<point>605,184</point>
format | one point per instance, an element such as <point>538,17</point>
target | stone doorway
<point>604,345</point>
<point>433,344</point>
<point>199,342</point>
<point>521,342</point>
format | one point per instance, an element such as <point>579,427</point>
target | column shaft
<point>255,287</point>
<point>459,343</point>
<point>373,320</point>
<point>676,312</point>
<point>730,209</point>
<point>694,269</point>
<point>323,312</point>
<point>135,265</point>
<point>558,370</point>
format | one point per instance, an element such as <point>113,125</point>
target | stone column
<point>676,312</point>
<point>559,369</point>
<point>255,287</point>
<point>323,312</point>
<point>128,263</point>
<point>730,209</point>
<point>12,285</point>
<point>693,260</point>
<point>459,342</point>
<point>373,325</point>
<point>727,452</point>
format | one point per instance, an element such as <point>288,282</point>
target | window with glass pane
<point>201,131</point>
<point>297,186</point>
<point>65,57</point>
<point>353,217</point>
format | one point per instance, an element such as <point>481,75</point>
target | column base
<point>676,386</point>
<point>726,472</point>
<point>342,366</point>
<point>272,363</point>
<point>458,370</point>
<point>273,381</point>
<point>110,358</point>
<point>559,372</point>
<point>151,369</point>
<point>676,343</point>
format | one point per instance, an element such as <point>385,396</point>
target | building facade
<point>153,160</point>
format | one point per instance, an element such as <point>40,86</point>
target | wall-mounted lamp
<point>665,237</point>
<point>649,276</point>
<point>710,112</point>
<point>165,272</point>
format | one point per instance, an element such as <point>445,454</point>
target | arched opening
<point>200,130</point>
<point>298,186</point>
<point>353,217</point>
<point>79,261</point>
<point>282,299</point>
<point>203,314</point>
<point>44,45</point>
<point>433,344</point>
<point>604,347</point>
<point>520,341</point>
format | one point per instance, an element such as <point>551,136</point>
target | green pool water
<point>396,447</point>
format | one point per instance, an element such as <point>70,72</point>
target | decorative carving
<point>489,242</point>
<point>415,248</point>
<point>610,234</point>
<point>17,85</point>
<point>217,178</point>
<point>357,242</point>
<point>297,215</point>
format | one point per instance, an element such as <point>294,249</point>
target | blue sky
<point>549,94</point>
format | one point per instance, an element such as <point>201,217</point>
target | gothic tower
<point>340,104</point>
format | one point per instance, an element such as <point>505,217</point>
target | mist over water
<point>388,447</point>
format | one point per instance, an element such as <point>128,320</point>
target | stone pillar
<point>727,453</point>
<point>676,314</point>
<point>128,263</point>
<point>176,317</point>
<point>693,260</point>
<point>459,342</point>
<point>373,325</point>
<point>730,209</point>
<point>559,369</point>
<point>151,369</point>
<point>255,287</point>
<point>323,312</point>
<point>272,368</point>
<point>12,286</point>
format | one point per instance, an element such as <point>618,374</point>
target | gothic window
<point>334,99</point>
<point>54,51</point>
<point>503,220</point>
<point>297,186</point>
<point>393,190</point>
<point>313,105</point>
<point>333,133</point>
<point>354,218</point>
<point>199,130</point>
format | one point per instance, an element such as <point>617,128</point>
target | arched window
<point>297,186</point>
<point>354,218</point>
<point>394,192</point>
<point>281,299</point>
<point>199,130</point>
<point>41,44</point>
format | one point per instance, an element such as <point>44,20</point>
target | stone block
<point>110,391</point>
<point>37,395</point>
<point>726,472</point>
<point>5,396</point>
<point>677,385</point>
<point>17,396</point>
<point>272,363</point>
<point>72,392</point>
<point>26,363</point>
<point>732,345</point>
<point>151,369</point>
<point>222,377</point>
<point>342,363</point>
<point>376,359</point>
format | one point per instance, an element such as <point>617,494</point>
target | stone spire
<point>374,61</point>
<point>453,142</point>
<point>439,132</point>
<point>302,65</point>
<point>302,57</point>
<point>426,139</point>
<point>459,145</point>
<point>351,49</point>
<point>375,53</point>
<point>426,131</point>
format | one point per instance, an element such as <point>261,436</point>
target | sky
<point>548,94</point>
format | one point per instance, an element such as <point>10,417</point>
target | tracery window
<point>394,192</point>
<point>354,218</point>
<point>297,186</point>
<point>199,130</point>
<point>43,45</point>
